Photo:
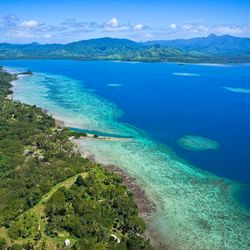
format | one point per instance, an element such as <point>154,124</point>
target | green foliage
<point>3,244</point>
<point>92,209</point>
<point>25,73</point>
<point>16,247</point>
<point>33,157</point>
<point>25,226</point>
<point>80,181</point>
<point>28,246</point>
<point>136,243</point>
<point>76,134</point>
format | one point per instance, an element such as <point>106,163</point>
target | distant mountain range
<point>211,44</point>
<point>211,49</point>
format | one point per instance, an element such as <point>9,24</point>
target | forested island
<point>211,49</point>
<point>51,197</point>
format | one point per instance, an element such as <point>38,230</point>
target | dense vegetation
<point>49,193</point>
<point>211,49</point>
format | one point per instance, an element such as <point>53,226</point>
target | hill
<point>211,49</point>
<point>212,44</point>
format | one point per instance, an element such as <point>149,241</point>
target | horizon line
<point>119,38</point>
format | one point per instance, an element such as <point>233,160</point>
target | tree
<point>3,244</point>
<point>80,181</point>
<point>38,236</point>
<point>16,247</point>
<point>28,246</point>
<point>137,243</point>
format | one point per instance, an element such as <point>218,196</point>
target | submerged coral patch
<point>185,74</point>
<point>238,90</point>
<point>197,143</point>
<point>114,85</point>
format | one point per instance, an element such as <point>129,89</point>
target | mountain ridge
<point>213,48</point>
<point>224,43</point>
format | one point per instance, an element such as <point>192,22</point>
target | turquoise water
<point>195,208</point>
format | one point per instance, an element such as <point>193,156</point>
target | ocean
<point>190,126</point>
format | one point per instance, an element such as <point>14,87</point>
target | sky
<point>64,21</point>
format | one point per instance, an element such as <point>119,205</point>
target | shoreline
<point>60,123</point>
<point>146,207</point>
<point>181,63</point>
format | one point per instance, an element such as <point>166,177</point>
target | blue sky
<point>61,21</point>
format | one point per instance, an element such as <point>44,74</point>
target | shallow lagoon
<point>195,208</point>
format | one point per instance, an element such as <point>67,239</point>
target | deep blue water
<point>169,106</point>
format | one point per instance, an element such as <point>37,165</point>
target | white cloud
<point>224,29</point>
<point>187,26</point>
<point>199,29</point>
<point>203,27</point>
<point>47,36</point>
<point>113,23</point>
<point>12,29</point>
<point>173,26</point>
<point>20,34</point>
<point>148,35</point>
<point>29,24</point>
<point>138,27</point>
<point>8,22</point>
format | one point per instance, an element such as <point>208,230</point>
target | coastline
<point>60,123</point>
<point>183,63</point>
<point>181,182</point>
<point>146,206</point>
